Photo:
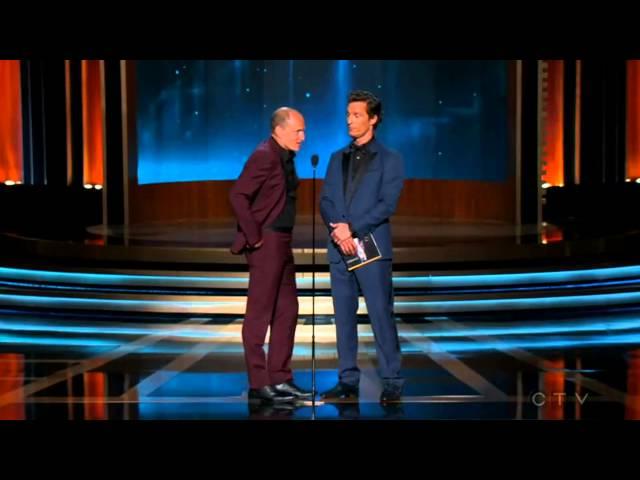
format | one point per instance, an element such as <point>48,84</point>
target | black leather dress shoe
<point>268,394</point>
<point>341,391</point>
<point>390,394</point>
<point>290,388</point>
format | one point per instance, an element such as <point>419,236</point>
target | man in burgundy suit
<point>264,202</point>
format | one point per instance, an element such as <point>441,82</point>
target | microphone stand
<point>314,164</point>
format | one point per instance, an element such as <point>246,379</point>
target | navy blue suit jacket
<point>370,199</point>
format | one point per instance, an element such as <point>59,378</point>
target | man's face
<point>291,132</point>
<point>358,119</point>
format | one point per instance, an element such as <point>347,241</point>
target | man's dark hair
<point>374,105</point>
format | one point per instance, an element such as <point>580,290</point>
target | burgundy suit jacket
<point>259,195</point>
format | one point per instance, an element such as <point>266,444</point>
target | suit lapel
<point>345,175</point>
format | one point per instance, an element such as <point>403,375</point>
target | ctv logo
<point>539,399</point>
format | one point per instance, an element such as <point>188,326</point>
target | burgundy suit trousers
<point>272,302</point>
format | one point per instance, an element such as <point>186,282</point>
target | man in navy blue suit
<point>360,193</point>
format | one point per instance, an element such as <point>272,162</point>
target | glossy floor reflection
<point>457,367</point>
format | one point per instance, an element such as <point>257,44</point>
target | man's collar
<point>284,153</point>
<point>365,147</point>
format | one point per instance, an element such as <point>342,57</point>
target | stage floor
<point>495,322</point>
<point>457,367</point>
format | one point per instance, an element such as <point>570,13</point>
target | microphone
<point>314,160</point>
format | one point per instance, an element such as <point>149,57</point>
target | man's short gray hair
<point>280,116</point>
